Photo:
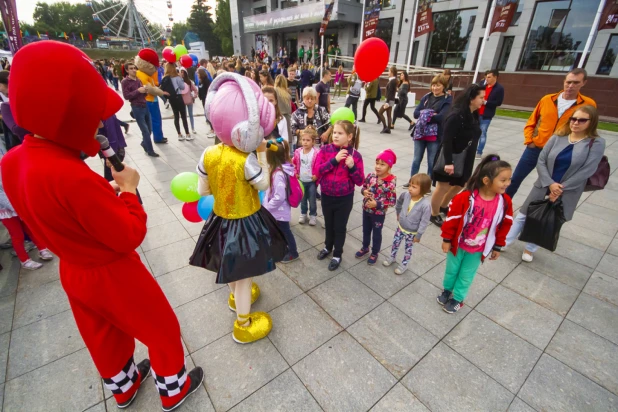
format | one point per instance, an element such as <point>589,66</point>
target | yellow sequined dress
<point>240,239</point>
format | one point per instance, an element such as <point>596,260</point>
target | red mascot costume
<point>94,232</point>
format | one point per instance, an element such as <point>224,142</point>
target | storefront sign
<point>295,16</point>
<point>372,15</point>
<point>328,10</point>
<point>11,24</point>
<point>503,15</point>
<point>609,18</point>
<point>424,19</point>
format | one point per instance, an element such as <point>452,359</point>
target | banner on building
<point>372,15</point>
<point>327,13</point>
<point>609,18</point>
<point>309,13</point>
<point>11,24</point>
<point>424,19</point>
<point>503,15</point>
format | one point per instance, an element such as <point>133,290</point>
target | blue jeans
<point>484,126</point>
<point>309,197</point>
<point>289,237</point>
<point>142,117</point>
<point>372,224</point>
<point>115,82</point>
<point>526,164</point>
<point>419,151</point>
<point>155,120</point>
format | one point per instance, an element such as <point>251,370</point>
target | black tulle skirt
<point>237,249</point>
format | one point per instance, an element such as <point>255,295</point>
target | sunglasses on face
<point>578,120</point>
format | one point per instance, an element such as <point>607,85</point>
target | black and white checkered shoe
<point>197,376</point>
<point>144,371</point>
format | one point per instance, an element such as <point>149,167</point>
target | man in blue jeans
<point>494,95</point>
<point>135,93</point>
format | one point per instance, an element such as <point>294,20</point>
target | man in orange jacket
<point>552,111</point>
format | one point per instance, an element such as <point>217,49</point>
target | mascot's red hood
<point>65,108</point>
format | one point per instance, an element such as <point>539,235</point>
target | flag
<point>328,10</point>
<point>64,34</point>
<point>503,15</point>
<point>38,34</point>
<point>8,10</point>
<point>424,19</point>
<point>169,42</point>
<point>183,42</point>
<point>27,33</point>
<point>372,15</point>
<point>609,18</point>
<point>82,34</point>
<point>90,36</point>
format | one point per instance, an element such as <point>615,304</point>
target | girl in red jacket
<point>478,220</point>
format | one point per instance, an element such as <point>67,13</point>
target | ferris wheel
<point>131,19</point>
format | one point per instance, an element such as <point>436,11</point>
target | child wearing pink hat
<point>379,194</point>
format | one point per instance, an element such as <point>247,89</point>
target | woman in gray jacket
<point>568,159</point>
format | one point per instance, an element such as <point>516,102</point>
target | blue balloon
<point>262,193</point>
<point>205,206</point>
<point>194,58</point>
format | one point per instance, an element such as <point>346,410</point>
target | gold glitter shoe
<point>259,328</point>
<point>255,294</point>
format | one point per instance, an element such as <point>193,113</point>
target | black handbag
<point>459,160</point>
<point>544,219</point>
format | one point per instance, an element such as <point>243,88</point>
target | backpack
<point>294,190</point>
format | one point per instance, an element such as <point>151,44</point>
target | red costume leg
<point>120,301</point>
<point>13,225</point>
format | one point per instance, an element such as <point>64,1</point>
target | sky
<point>155,10</point>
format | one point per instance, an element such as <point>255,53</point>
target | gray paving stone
<point>7,305</point>
<point>206,319</point>
<point>553,386</point>
<point>348,258</point>
<point>345,298</point>
<point>596,316</point>
<point>10,274</point>
<point>314,235</point>
<point>276,289</point>
<point>342,376</point>
<point>299,327</point>
<point>160,216</point>
<point>187,284</point>
<point>494,350</point>
<point>33,278</point>
<point>423,259</point>
<point>586,236</point>
<point>519,406</point>
<point>4,355</point>
<point>387,235</point>
<point>521,316</point>
<point>152,201</point>
<point>587,353</point>
<point>542,289</point>
<point>418,301</point>
<point>163,235</point>
<point>45,389</point>
<point>595,223</point>
<point>99,407</point>
<point>578,252</point>
<point>308,272</point>
<point>609,265</point>
<point>394,339</point>
<point>561,269</point>
<point>39,303</point>
<point>399,399</point>
<point>600,212</point>
<point>603,287</point>
<point>381,279</point>
<point>171,257</point>
<point>59,336</point>
<point>284,393</point>
<point>605,198</point>
<point>498,269</point>
<point>233,371</point>
<point>431,381</point>
<point>479,289</point>
<point>613,248</point>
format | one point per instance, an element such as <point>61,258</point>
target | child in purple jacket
<point>339,167</point>
<point>276,197</point>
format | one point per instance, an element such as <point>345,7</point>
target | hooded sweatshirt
<point>276,200</point>
<point>335,178</point>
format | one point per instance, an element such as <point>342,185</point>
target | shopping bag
<point>544,219</point>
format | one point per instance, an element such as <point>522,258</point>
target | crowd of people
<point>470,201</point>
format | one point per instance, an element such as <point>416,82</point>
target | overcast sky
<point>155,10</point>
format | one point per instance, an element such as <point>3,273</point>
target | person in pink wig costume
<point>240,239</point>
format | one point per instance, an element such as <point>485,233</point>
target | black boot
<point>437,220</point>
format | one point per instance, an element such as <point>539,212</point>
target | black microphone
<point>109,153</point>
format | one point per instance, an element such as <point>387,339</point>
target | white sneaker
<point>478,156</point>
<point>211,135</point>
<point>189,137</point>
<point>194,132</point>
<point>31,265</point>
<point>527,257</point>
<point>181,138</point>
<point>45,254</point>
<point>313,221</point>
<point>388,262</point>
<point>399,271</point>
<point>302,219</point>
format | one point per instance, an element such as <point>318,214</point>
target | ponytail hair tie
<point>271,144</point>
<point>495,158</point>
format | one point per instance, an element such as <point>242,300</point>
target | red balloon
<point>169,55</point>
<point>371,59</point>
<point>189,211</point>
<point>186,61</point>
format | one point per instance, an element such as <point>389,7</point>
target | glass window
<point>388,4</point>
<point>384,30</point>
<point>517,15</point>
<point>476,55</point>
<point>505,51</point>
<point>448,43</point>
<point>609,57</point>
<point>403,6</point>
<point>414,53</point>
<point>557,35</point>
<point>356,29</point>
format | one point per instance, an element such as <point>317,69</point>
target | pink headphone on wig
<point>239,113</point>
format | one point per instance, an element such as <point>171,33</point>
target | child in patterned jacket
<point>379,194</point>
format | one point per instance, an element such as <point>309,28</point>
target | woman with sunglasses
<point>566,162</point>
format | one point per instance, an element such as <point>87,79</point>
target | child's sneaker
<point>372,260</point>
<point>452,306</point>
<point>45,254</point>
<point>302,219</point>
<point>181,138</point>
<point>312,221</point>
<point>189,137</point>
<point>388,262</point>
<point>362,253</point>
<point>289,258</point>
<point>400,270</point>
<point>31,265</point>
<point>444,297</point>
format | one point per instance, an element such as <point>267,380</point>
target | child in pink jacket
<point>304,163</point>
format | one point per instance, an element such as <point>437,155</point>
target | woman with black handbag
<point>455,162</point>
<point>174,85</point>
<point>565,164</point>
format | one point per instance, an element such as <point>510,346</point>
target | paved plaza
<point>540,336</point>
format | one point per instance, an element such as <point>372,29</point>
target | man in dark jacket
<point>494,95</point>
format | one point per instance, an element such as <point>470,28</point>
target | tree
<point>223,28</point>
<point>179,30</point>
<point>200,22</point>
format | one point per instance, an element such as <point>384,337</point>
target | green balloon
<point>180,51</point>
<point>342,113</point>
<point>184,187</point>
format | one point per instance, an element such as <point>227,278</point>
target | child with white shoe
<point>303,161</point>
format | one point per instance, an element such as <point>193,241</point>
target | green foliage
<point>200,22</point>
<point>63,17</point>
<point>179,30</point>
<point>223,28</point>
